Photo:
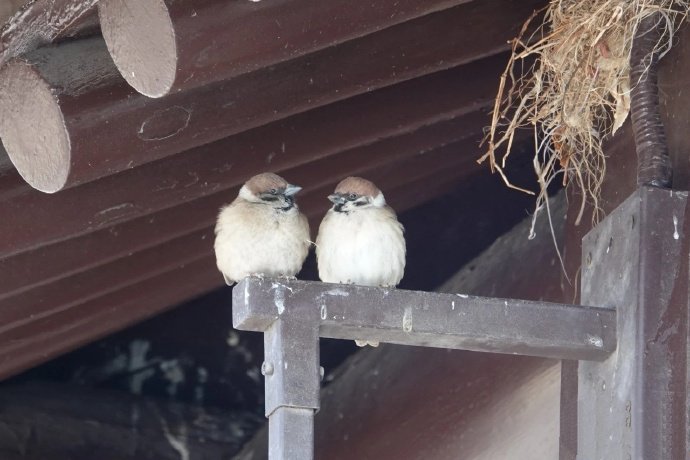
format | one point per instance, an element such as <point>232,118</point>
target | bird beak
<point>292,189</point>
<point>336,198</point>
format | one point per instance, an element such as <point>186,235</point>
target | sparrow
<point>262,232</point>
<point>360,240</point>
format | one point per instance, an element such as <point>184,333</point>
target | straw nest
<point>568,79</point>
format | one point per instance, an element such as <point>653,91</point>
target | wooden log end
<point>141,40</point>
<point>32,127</point>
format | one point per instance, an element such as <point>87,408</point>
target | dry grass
<point>576,92</point>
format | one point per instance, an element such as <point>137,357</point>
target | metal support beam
<point>294,314</point>
<point>428,319</point>
<point>633,405</point>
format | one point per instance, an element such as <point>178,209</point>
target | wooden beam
<point>57,329</point>
<point>48,263</point>
<point>59,293</point>
<point>280,146</point>
<point>162,47</point>
<point>92,139</point>
<point>39,341</point>
<point>40,22</point>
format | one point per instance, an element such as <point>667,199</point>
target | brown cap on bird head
<point>269,183</point>
<point>358,186</point>
<point>262,183</point>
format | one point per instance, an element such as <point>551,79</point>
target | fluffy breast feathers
<point>252,238</point>
<point>366,247</point>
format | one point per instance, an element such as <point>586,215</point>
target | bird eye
<point>352,197</point>
<point>273,191</point>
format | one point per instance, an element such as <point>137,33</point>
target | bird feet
<point>364,343</point>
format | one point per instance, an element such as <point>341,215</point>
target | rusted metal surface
<point>281,147</point>
<point>182,121</point>
<point>457,321</point>
<point>633,405</point>
<point>167,46</point>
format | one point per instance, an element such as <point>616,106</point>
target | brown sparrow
<point>360,240</point>
<point>262,232</point>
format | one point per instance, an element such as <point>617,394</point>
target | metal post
<point>291,434</point>
<point>633,405</point>
<point>294,314</point>
<point>291,367</point>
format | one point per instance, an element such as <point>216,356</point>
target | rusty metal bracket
<point>294,314</point>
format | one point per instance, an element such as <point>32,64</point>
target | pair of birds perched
<point>262,232</point>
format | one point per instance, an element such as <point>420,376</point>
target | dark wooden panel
<point>111,129</point>
<point>52,297</point>
<point>39,341</point>
<point>61,295</point>
<point>62,258</point>
<point>227,163</point>
<point>167,46</point>
<point>29,341</point>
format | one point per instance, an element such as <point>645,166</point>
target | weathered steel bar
<point>165,46</point>
<point>429,319</point>
<point>291,434</point>
<point>633,405</point>
<point>143,130</point>
<point>292,381</point>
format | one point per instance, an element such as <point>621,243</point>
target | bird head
<point>354,193</point>
<point>270,189</point>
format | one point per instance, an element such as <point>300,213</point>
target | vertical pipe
<point>654,164</point>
